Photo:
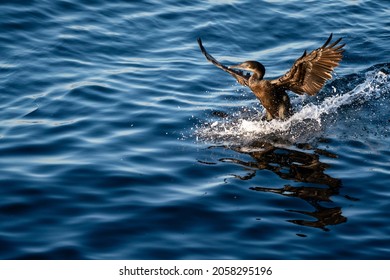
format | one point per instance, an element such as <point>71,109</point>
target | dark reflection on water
<point>301,163</point>
<point>105,110</point>
<point>324,216</point>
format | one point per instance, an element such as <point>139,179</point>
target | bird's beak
<point>239,66</point>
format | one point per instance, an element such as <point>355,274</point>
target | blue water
<point>118,140</point>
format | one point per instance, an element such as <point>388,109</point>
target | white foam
<point>307,122</point>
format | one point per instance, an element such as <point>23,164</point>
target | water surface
<point>120,141</point>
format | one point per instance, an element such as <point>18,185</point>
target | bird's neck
<point>257,75</point>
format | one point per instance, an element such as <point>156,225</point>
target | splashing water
<point>306,124</point>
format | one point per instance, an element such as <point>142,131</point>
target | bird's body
<point>308,75</point>
<point>274,99</point>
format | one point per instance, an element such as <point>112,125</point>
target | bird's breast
<point>271,97</point>
<point>262,89</point>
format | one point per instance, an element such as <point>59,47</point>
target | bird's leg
<point>283,112</point>
<point>267,117</point>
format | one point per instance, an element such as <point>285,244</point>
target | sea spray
<point>308,121</point>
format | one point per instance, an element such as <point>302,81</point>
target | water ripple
<point>120,141</point>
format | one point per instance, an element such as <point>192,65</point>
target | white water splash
<point>307,122</point>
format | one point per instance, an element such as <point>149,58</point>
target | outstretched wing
<point>239,75</point>
<point>310,72</point>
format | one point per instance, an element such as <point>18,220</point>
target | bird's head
<point>252,66</point>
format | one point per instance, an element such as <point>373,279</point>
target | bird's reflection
<point>300,164</point>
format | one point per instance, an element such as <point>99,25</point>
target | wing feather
<point>310,72</point>
<point>240,77</point>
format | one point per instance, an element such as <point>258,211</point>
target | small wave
<point>307,123</point>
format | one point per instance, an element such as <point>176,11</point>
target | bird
<point>307,75</point>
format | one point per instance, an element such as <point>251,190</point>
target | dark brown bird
<point>307,75</point>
